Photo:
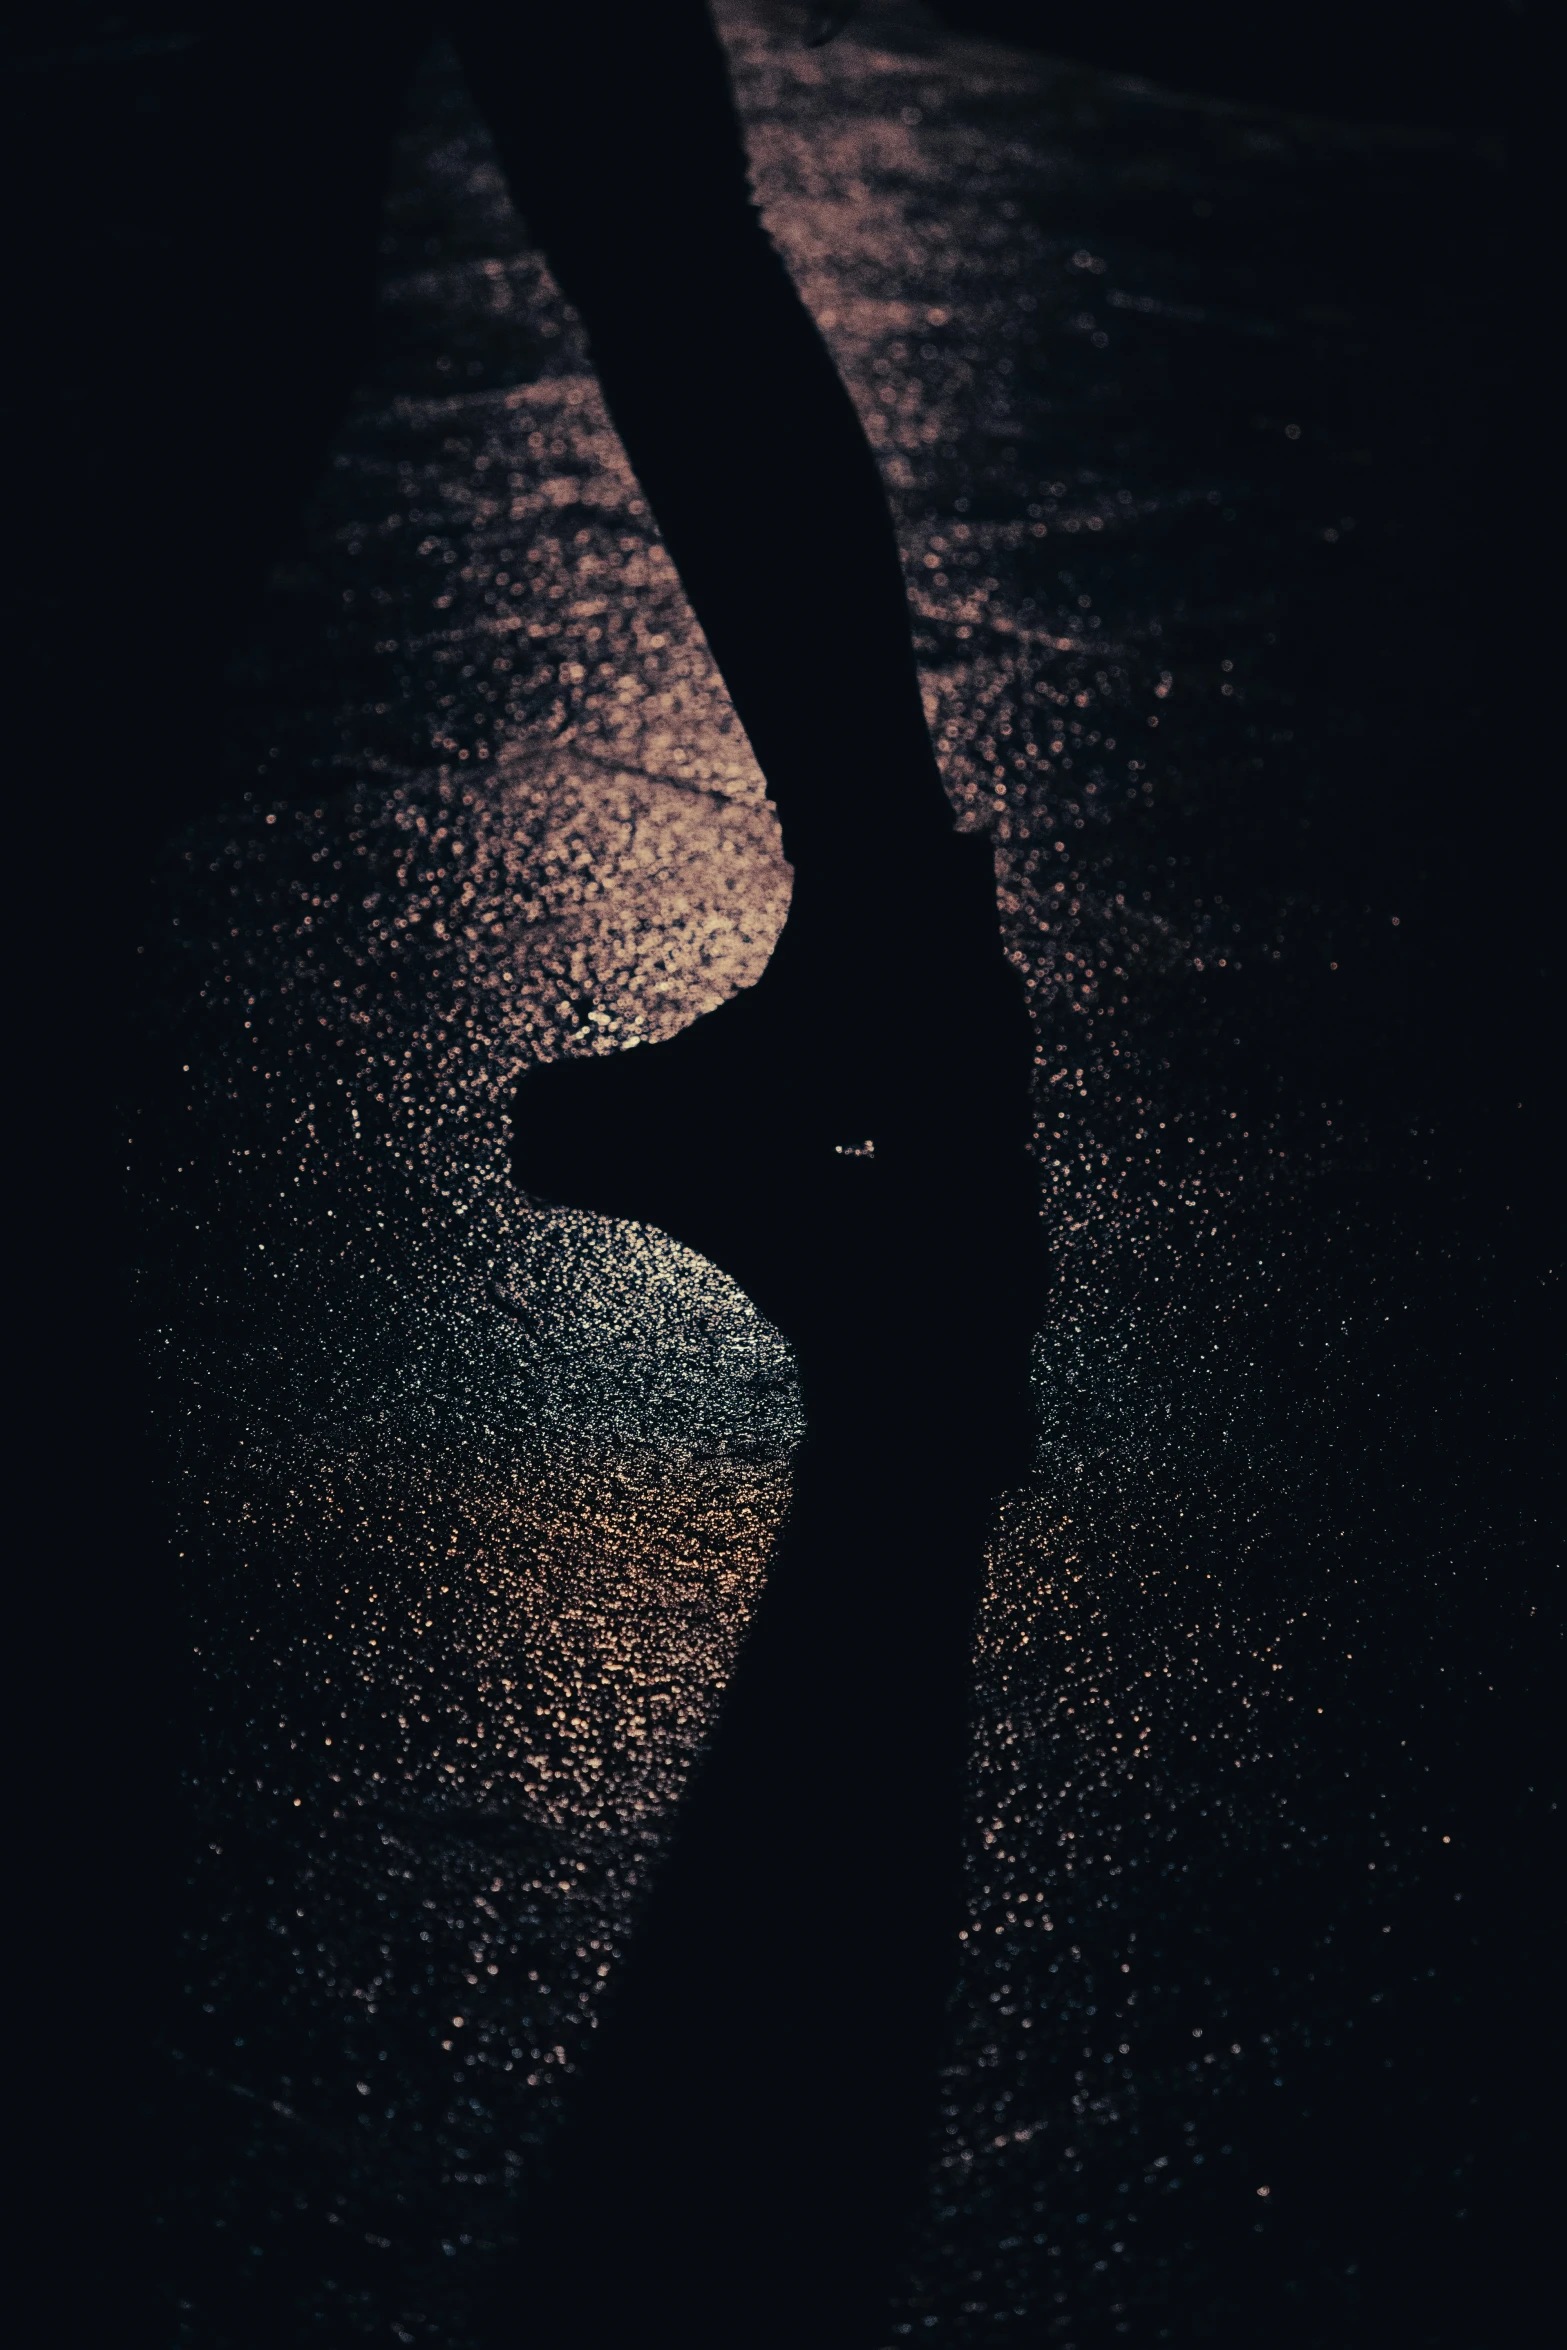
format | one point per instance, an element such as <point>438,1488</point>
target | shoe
<point>847,1140</point>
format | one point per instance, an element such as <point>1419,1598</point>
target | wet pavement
<point>1192,425</point>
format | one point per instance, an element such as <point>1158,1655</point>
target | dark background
<point>1453,62</point>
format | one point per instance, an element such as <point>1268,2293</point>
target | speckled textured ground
<point>476,1499</point>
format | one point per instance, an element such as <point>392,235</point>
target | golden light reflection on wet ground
<point>477,1499</point>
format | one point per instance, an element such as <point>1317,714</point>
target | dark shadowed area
<point>1201,432</point>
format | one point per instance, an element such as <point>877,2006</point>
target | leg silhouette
<point>888,1014</point>
<point>751,2125</point>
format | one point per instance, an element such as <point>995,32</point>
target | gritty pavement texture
<point>476,1499</point>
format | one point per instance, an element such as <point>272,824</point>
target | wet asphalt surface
<point>1193,419</point>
